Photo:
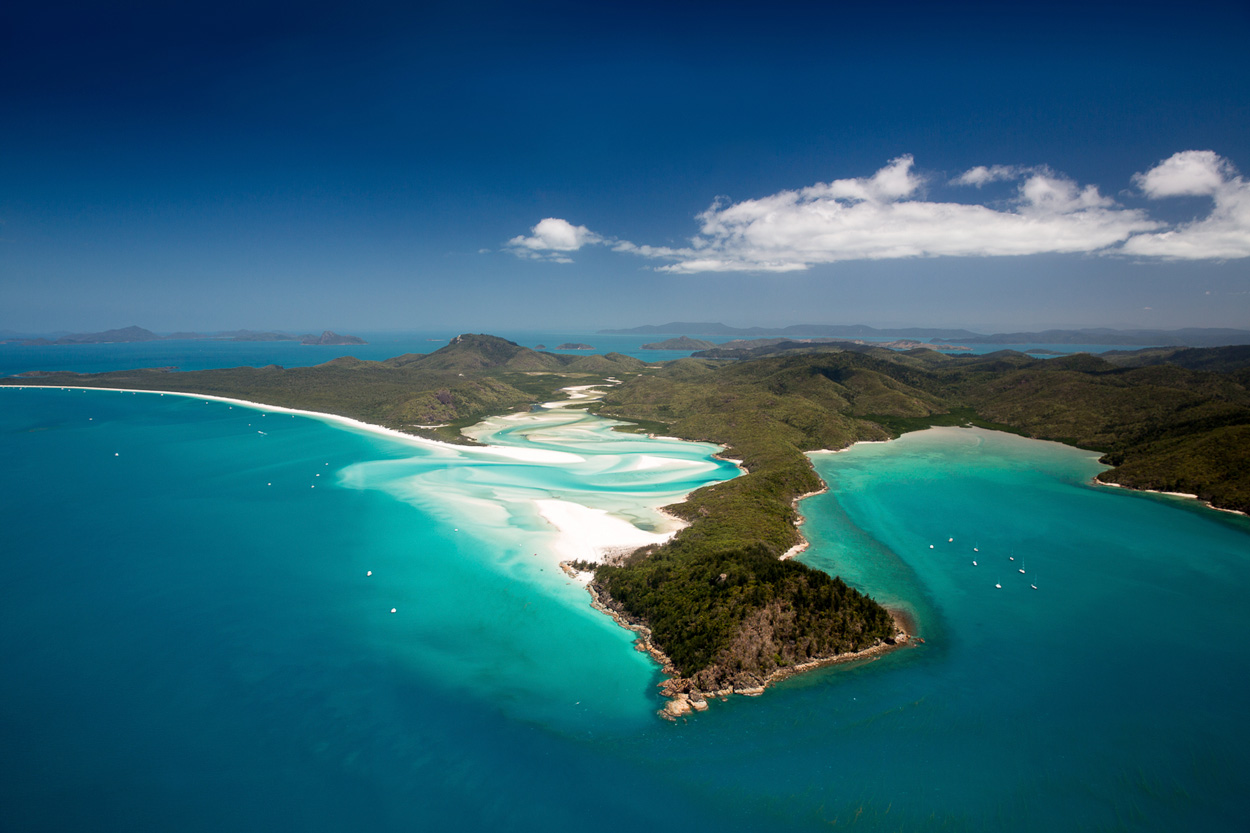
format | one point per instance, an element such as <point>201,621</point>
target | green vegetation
<point>956,417</point>
<point>754,612</point>
<point>1163,426</point>
<point>717,598</point>
<point>426,394</point>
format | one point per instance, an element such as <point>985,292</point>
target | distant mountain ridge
<point>797,330</point>
<point>679,343</point>
<point>134,334</point>
<point>1186,337</point>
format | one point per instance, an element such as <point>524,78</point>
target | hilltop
<point>718,602</point>
<point>426,394</point>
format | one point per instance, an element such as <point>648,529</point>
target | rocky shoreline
<point>803,544</point>
<point>684,697</point>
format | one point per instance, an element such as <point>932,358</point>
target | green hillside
<point>717,599</point>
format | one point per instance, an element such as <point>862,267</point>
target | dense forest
<point>1169,420</point>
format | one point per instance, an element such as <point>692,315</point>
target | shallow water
<point>1084,672</point>
<point>189,647</point>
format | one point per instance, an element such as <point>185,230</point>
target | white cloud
<point>886,216</point>
<point>981,175</point>
<point>873,219</point>
<point>550,238</point>
<point>894,181</point>
<point>1190,173</point>
<point>1223,234</point>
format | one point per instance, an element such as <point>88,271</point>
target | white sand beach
<point>588,534</point>
<point>579,532</point>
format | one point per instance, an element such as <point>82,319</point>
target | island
<point>681,343</point>
<point>330,337</point>
<point>573,345</point>
<point>722,605</point>
<point>134,334</point>
<point>757,347</point>
<point>1188,337</point>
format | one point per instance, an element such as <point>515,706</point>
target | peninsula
<point>717,604</point>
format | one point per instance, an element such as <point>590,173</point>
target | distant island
<point>740,348</point>
<point>573,345</point>
<point>682,343</point>
<point>330,337</point>
<point>757,347</point>
<point>133,334</point>
<point>1188,337</point>
<point>796,330</point>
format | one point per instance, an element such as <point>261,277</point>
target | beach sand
<point>580,533</point>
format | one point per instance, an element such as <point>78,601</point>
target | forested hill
<point>430,394</point>
<point>716,598</point>
<point>1163,422</point>
<point>1133,406</point>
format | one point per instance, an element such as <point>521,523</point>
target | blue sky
<point>370,166</point>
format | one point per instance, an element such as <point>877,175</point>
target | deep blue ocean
<point>196,633</point>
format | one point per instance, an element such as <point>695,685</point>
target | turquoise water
<point>1103,686</point>
<point>200,355</point>
<point>190,639</point>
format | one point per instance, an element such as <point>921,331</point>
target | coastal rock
<point>677,708</point>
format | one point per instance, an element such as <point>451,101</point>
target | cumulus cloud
<point>877,218</point>
<point>982,175</point>
<point>1223,234</point>
<point>887,215</point>
<point>1190,173</point>
<point>551,239</point>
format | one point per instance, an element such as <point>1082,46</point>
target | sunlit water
<point>191,639</point>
